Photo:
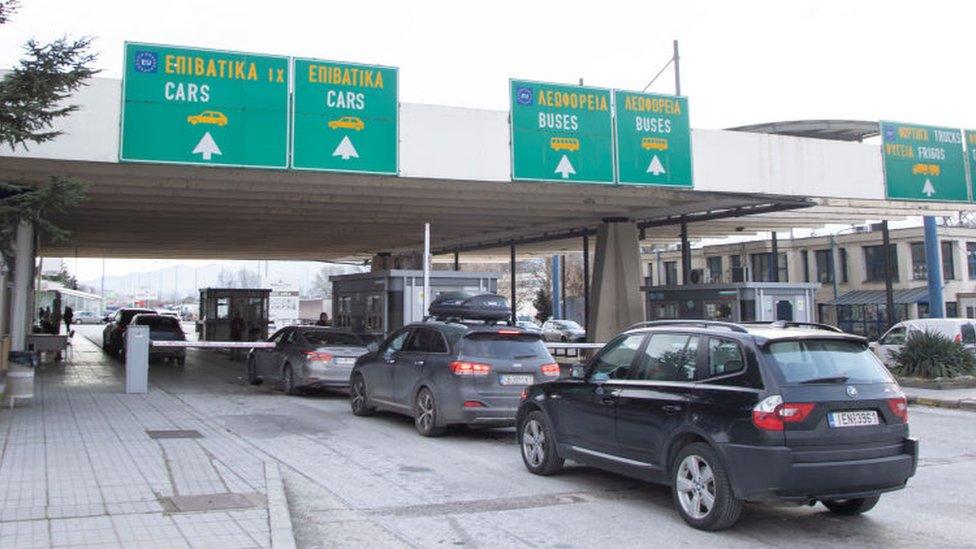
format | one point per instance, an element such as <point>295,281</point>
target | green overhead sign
<point>923,163</point>
<point>194,106</point>
<point>653,137</point>
<point>561,133</point>
<point>971,156</point>
<point>344,117</point>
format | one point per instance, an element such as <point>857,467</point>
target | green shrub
<point>930,355</point>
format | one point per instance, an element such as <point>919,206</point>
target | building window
<point>971,258</point>
<point>952,309</point>
<point>714,265</point>
<point>825,266</point>
<point>948,262</point>
<point>671,273</point>
<point>874,264</point>
<point>760,267</point>
<point>843,265</point>
<point>805,260</point>
<point>650,274</point>
<point>919,267</point>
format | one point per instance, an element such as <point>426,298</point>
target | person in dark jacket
<point>323,320</point>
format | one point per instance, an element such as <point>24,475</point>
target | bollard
<point>137,359</point>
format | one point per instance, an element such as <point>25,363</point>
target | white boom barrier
<point>215,344</point>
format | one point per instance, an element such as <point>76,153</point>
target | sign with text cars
<point>196,106</point>
<point>345,117</point>
<point>923,162</point>
<point>561,133</point>
<point>653,139</point>
<point>971,156</point>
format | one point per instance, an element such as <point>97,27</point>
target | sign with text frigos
<point>197,106</point>
<point>653,138</point>
<point>345,117</point>
<point>923,163</point>
<point>561,133</point>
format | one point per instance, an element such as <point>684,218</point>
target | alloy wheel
<point>425,411</point>
<point>533,443</point>
<point>358,394</point>
<point>695,484</point>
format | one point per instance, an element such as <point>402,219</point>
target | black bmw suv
<point>725,413</point>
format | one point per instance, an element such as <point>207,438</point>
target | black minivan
<point>725,413</point>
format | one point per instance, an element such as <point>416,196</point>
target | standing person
<point>323,320</point>
<point>236,334</point>
<point>69,316</point>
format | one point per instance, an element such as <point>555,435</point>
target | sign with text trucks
<point>923,163</point>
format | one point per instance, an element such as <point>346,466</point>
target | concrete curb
<point>279,518</point>
<point>960,404</point>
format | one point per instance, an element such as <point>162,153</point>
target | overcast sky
<point>741,62</point>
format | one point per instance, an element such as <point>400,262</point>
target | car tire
<point>288,381</point>
<point>537,441</point>
<point>697,478</point>
<point>251,371</point>
<point>181,361</point>
<point>359,398</point>
<point>425,414</point>
<point>851,507</point>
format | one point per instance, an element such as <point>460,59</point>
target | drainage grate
<point>212,502</point>
<point>174,433</point>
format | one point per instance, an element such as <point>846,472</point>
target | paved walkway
<point>86,465</point>
<point>943,398</point>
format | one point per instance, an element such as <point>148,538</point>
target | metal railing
<point>214,344</point>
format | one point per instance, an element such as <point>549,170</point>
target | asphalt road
<point>374,482</point>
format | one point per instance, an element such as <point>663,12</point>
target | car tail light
<point>318,356</point>
<point>551,369</point>
<point>473,404</point>
<point>899,407</point>
<point>509,332</point>
<point>463,368</point>
<point>525,393</point>
<point>772,414</point>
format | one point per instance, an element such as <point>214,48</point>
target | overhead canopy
<point>836,130</point>
<point>877,297</point>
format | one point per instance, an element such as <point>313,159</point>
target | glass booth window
<point>223,308</point>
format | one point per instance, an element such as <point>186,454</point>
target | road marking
<point>207,147</point>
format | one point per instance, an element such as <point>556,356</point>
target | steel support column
<point>457,261</point>
<point>685,256</point>
<point>557,286</point>
<point>586,280</point>
<point>933,268</point>
<point>774,259</point>
<point>511,266</point>
<point>890,317</point>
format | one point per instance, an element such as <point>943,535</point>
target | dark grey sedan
<point>306,357</point>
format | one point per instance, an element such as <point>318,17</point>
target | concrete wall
<point>447,142</point>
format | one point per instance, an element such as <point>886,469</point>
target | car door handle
<point>671,409</point>
<point>608,400</point>
<point>391,361</point>
<point>418,362</point>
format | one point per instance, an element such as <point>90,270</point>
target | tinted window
<point>509,347</point>
<point>159,322</point>
<point>615,359</point>
<point>323,338</point>
<point>669,357</point>
<point>896,336</point>
<point>125,317</point>
<point>724,357</point>
<point>805,360</point>
<point>567,324</point>
<point>278,336</point>
<point>395,342</point>
<point>426,341</point>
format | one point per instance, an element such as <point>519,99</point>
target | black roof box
<point>470,306</point>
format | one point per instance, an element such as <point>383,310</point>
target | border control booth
<point>219,305</point>
<point>376,303</point>
<point>735,302</point>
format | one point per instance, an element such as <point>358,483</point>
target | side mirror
<point>578,371</point>
<point>372,347</point>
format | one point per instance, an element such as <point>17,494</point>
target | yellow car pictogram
<point>926,169</point>
<point>208,117</point>
<point>347,122</point>
<point>564,144</point>
<point>655,143</point>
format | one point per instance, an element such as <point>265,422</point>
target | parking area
<point>350,481</point>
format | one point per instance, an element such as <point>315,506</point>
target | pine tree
<point>543,305</point>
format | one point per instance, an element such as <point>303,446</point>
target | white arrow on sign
<point>565,167</point>
<point>928,189</point>
<point>655,167</point>
<point>345,149</point>
<point>207,147</point>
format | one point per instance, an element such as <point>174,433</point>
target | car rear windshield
<point>126,317</point>
<point>332,339</point>
<point>492,345</point>
<point>159,322</point>
<point>809,360</point>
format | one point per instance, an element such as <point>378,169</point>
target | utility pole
<point>677,70</point>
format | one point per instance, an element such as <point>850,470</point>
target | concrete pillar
<point>20,306</point>
<point>933,265</point>
<point>557,287</point>
<point>616,296</point>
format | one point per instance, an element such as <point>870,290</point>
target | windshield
<point>159,323</point>
<point>568,324</point>
<point>322,338</point>
<point>127,315</point>
<point>507,347</point>
<point>830,360</point>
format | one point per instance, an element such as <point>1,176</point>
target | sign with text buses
<point>653,137</point>
<point>345,117</point>
<point>195,106</point>
<point>561,133</point>
<point>923,163</point>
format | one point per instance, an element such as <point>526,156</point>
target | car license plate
<point>855,418</point>
<point>345,361</point>
<point>522,379</point>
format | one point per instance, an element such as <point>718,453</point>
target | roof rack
<point>793,324</point>
<point>699,323</point>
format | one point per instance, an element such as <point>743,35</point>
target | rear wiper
<point>523,356</point>
<point>830,379</point>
